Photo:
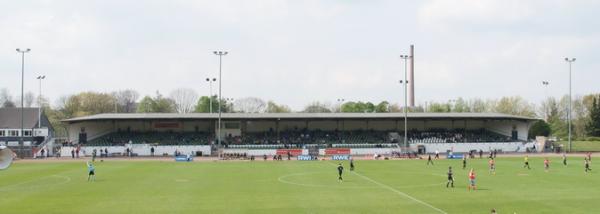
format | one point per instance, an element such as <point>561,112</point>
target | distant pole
<point>210,81</point>
<point>40,102</point>
<point>340,103</point>
<point>405,82</point>
<point>220,54</point>
<point>545,83</point>
<point>450,103</point>
<point>22,88</point>
<point>570,61</point>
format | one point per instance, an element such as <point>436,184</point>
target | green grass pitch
<point>384,186</point>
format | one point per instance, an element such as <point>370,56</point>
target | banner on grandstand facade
<point>455,156</point>
<point>184,158</point>
<point>305,158</point>
<point>340,157</point>
<point>294,152</point>
<point>165,125</point>
<point>343,151</point>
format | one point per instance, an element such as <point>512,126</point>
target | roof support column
<point>277,129</point>
<point>465,131</point>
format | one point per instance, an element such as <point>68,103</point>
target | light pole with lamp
<point>340,103</point>
<point>40,101</point>
<point>220,54</point>
<point>22,88</point>
<point>210,81</point>
<point>450,104</point>
<point>570,61</point>
<point>230,101</point>
<point>545,83</point>
<point>405,82</point>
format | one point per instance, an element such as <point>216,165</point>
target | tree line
<point>553,111</point>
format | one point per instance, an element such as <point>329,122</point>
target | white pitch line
<point>397,191</point>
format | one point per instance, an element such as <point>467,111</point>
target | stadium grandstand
<point>272,133</point>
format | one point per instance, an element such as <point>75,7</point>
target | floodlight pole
<point>570,61</point>
<point>220,54</point>
<point>210,81</point>
<point>22,88</point>
<point>405,82</point>
<point>545,83</point>
<point>40,102</point>
<point>341,102</point>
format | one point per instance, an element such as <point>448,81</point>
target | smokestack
<point>411,78</point>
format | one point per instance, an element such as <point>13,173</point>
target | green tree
<point>438,107</point>
<point>556,117</point>
<point>317,107</point>
<point>88,103</point>
<point>203,105</point>
<point>349,106</point>
<point>461,106</point>
<point>146,105</point>
<point>477,105</point>
<point>360,107</point>
<point>272,107</point>
<point>539,128</point>
<point>55,117</point>
<point>158,104</point>
<point>383,106</point>
<point>593,126</point>
<point>514,106</point>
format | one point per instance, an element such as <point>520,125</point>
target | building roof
<point>10,118</point>
<point>301,116</point>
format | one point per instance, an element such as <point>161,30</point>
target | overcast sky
<point>295,52</point>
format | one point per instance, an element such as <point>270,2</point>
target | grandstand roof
<point>301,116</point>
<point>10,118</point>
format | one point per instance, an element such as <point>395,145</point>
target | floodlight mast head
<point>220,53</point>
<point>23,51</point>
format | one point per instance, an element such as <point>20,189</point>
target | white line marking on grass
<point>399,192</point>
<point>396,191</point>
